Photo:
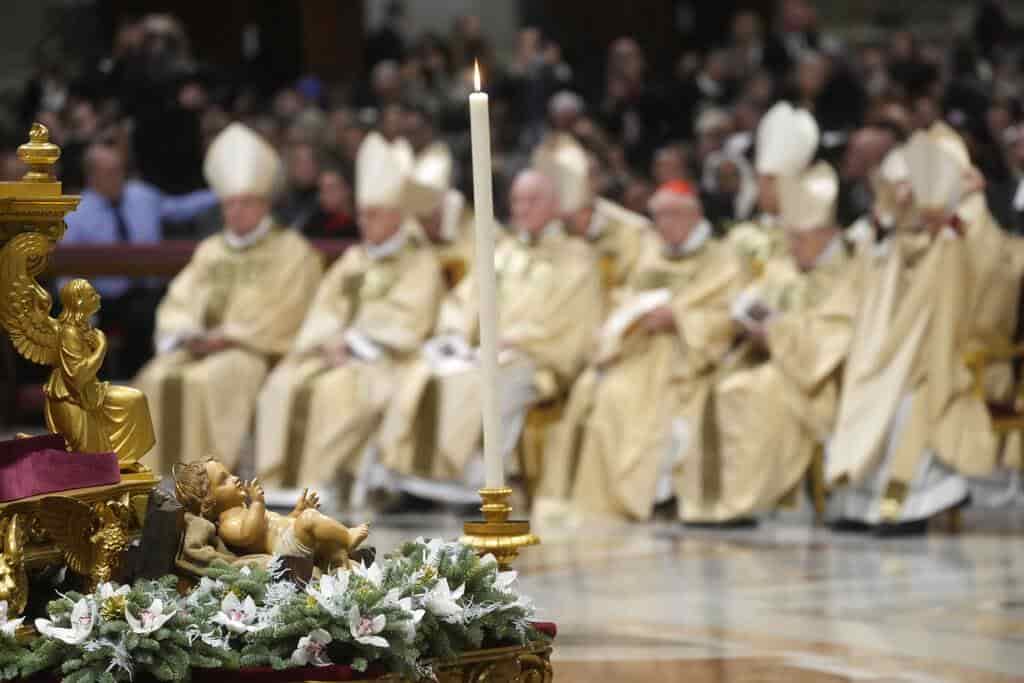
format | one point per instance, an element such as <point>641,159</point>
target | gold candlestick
<point>497,534</point>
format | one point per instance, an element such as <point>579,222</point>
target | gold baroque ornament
<point>528,664</point>
<point>92,538</point>
<point>13,577</point>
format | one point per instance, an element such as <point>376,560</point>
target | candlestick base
<point>497,534</point>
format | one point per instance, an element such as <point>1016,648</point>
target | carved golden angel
<point>93,416</point>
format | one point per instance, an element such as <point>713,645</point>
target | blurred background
<point>682,77</point>
<point>655,89</point>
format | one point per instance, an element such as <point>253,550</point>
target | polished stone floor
<point>784,602</point>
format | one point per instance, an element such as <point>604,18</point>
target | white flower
<point>416,616</point>
<point>442,602</point>
<point>214,638</point>
<point>83,617</point>
<point>330,592</point>
<point>373,573</point>
<point>245,571</point>
<point>107,591</point>
<point>364,629</point>
<point>312,649</point>
<point>504,580</point>
<point>237,616</point>
<point>8,627</point>
<point>152,617</point>
<point>208,588</point>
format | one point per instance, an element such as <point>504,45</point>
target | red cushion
<point>38,465</point>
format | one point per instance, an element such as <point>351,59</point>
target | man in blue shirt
<point>114,209</point>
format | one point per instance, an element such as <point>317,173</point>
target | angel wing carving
<point>70,525</point>
<point>25,309</point>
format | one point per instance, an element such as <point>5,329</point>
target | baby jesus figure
<point>239,513</point>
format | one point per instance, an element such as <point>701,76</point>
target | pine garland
<point>428,601</point>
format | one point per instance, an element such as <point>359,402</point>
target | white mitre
<point>382,168</point>
<point>240,162</point>
<point>787,139</point>
<point>429,180</point>
<point>565,161</point>
<point>935,172</point>
<point>808,201</point>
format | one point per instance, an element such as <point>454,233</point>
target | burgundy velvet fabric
<point>40,464</point>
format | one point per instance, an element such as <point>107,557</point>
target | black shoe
<point>738,523</point>
<point>849,526</point>
<point>403,503</point>
<point>902,529</point>
<point>666,509</point>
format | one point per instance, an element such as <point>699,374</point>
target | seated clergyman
<point>639,410</point>
<point>549,304</point>
<point>769,417</point>
<point>233,310</point>
<point>322,404</point>
<point>913,437</point>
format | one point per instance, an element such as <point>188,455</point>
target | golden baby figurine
<point>239,513</point>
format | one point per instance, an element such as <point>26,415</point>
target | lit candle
<point>483,206</point>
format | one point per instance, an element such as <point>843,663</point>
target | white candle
<point>486,282</point>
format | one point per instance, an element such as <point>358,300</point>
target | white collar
<point>552,228</point>
<point>451,213</point>
<point>388,247</point>
<point>830,253</point>
<point>598,224</point>
<point>243,242</point>
<point>697,239</point>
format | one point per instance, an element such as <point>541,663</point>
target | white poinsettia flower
<point>8,627</point>
<point>207,589</point>
<point>330,591</point>
<point>151,618</point>
<point>238,616</point>
<point>245,571</point>
<point>442,601</point>
<point>83,617</point>
<point>365,629</point>
<point>312,649</point>
<point>416,616</point>
<point>107,591</point>
<point>504,580</point>
<point>373,574</point>
<point>213,638</point>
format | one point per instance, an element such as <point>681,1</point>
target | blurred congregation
<point>747,261</point>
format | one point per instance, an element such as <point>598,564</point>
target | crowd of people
<point>778,256</point>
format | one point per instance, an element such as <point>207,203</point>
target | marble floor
<point>783,602</point>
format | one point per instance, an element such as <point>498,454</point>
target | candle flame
<point>476,75</point>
